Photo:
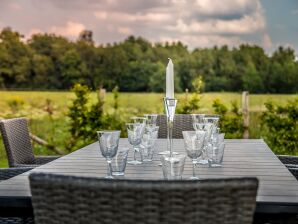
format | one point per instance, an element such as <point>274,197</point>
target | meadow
<point>47,111</point>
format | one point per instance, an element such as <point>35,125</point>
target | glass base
<point>147,160</point>
<point>215,165</point>
<point>118,173</point>
<point>194,178</point>
<point>167,152</point>
<point>202,161</point>
<point>109,177</point>
<point>134,162</point>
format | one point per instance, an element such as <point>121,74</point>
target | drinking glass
<point>194,143</point>
<point>212,119</point>
<point>108,143</point>
<point>207,128</point>
<point>151,119</point>
<point>119,162</point>
<point>198,121</point>
<point>135,132</point>
<point>172,167</point>
<point>215,154</point>
<point>139,120</point>
<point>148,143</point>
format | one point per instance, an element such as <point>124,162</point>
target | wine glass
<point>135,132</point>
<point>194,143</point>
<point>108,143</point>
<point>150,121</point>
<point>139,120</point>
<point>198,121</point>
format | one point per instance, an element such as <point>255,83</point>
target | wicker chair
<point>291,162</point>
<point>182,122</point>
<point>18,146</point>
<point>66,199</point>
<point>6,173</point>
<point>288,160</point>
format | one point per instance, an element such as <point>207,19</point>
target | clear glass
<point>194,144</point>
<point>148,143</point>
<point>213,119</point>
<point>207,127</point>
<point>215,155</point>
<point>151,119</point>
<point>135,133</point>
<point>139,120</point>
<point>108,143</point>
<point>119,162</point>
<point>198,121</point>
<point>172,167</point>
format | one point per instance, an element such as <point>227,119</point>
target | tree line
<point>47,61</point>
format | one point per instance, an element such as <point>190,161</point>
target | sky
<point>196,23</point>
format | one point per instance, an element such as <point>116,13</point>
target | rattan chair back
<point>182,122</point>
<point>17,142</point>
<point>65,199</point>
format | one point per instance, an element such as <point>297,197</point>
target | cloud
<point>71,29</point>
<point>127,17</point>
<point>15,7</point>
<point>125,30</point>
<point>193,41</point>
<point>194,22</point>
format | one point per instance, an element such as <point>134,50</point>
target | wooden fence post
<point>245,112</point>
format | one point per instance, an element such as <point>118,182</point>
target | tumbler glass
<point>119,162</point>
<point>173,167</point>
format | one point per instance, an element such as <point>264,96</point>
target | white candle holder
<point>170,107</point>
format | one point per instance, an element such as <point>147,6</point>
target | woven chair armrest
<point>22,165</point>
<point>6,173</point>
<point>40,160</point>
<point>287,160</point>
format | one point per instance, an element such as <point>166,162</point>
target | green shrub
<point>188,105</point>
<point>231,122</point>
<point>86,120</point>
<point>280,127</point>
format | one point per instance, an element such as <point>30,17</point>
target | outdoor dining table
<point>277,193</point>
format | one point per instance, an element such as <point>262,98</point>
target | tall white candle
<point>170,80</point>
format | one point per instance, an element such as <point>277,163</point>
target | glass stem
<point>193,168</point>
<point>134,153</point>
<point>109,168</point>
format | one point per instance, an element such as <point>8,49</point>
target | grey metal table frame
<point>277,194</point>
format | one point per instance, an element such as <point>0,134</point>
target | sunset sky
<point>197,23</point>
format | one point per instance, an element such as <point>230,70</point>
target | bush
<point>230,123</point>
<point>86,120</point>
<point>280,127</point>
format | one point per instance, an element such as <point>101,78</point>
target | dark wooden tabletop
<point>278,188</point>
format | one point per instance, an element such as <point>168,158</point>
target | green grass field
<point>33,105</point>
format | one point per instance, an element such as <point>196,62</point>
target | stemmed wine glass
<point>135,132</point>
<point>151,119</point>
<point>194,143</point>
<point>108,143</point>
<point>198,121</point>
